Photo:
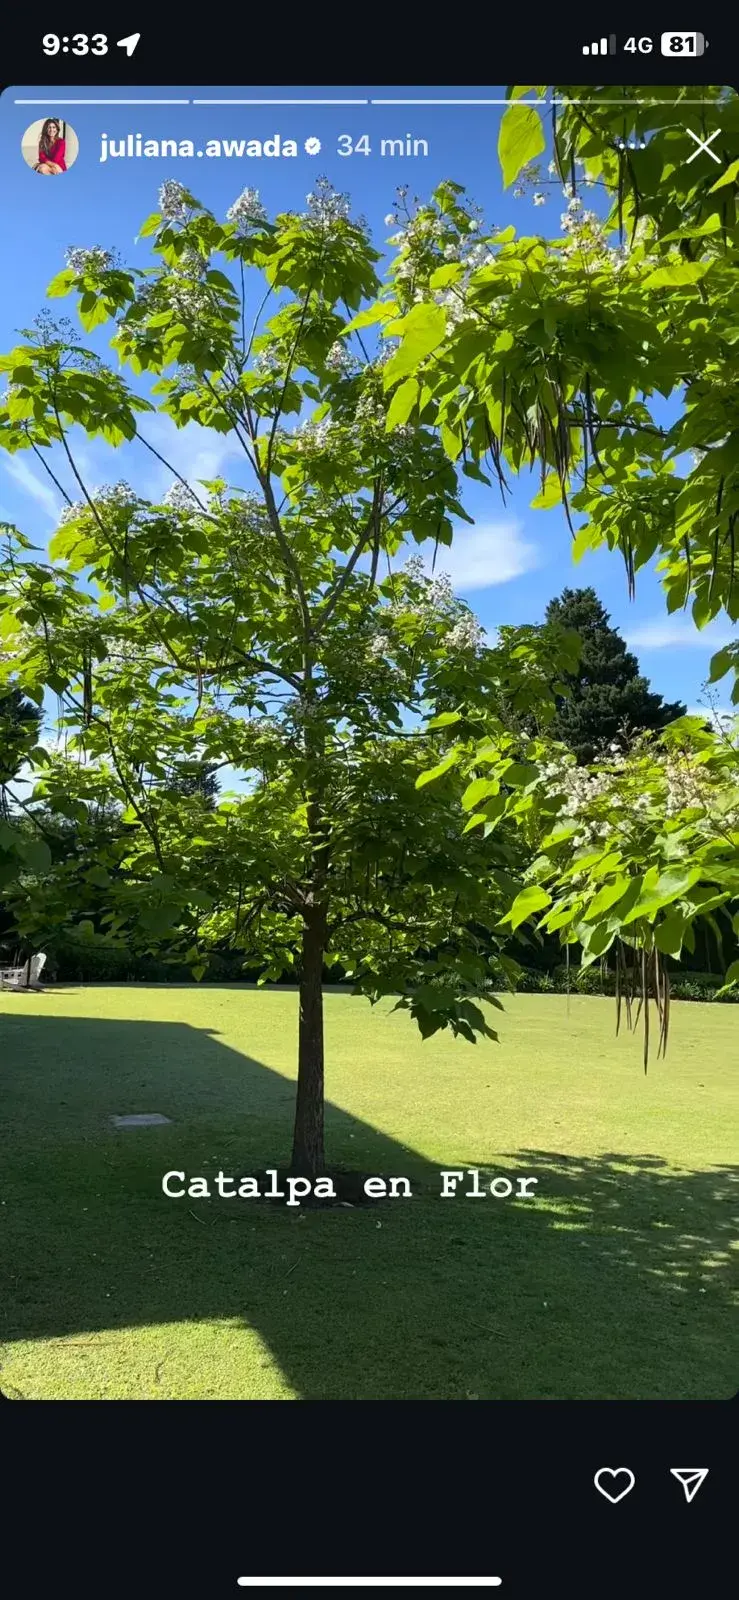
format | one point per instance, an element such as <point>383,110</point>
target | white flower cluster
<point>71,512</point>
<point>173,201</point>
<point>370,410</point>
<point>186,292</point>
<point>437,602</point>
<point>340,360</point>
<point>267,362</point>
<point>179,497</point>
<point>380,645</point>
<point>388,349</point>
<point>128,652</point>
<point>190,264</point>
<point>312,437</point>
<point>327,204</point>
<point>530,177</point>
<point>186,380</point>
<point>581,789</point>
<point>114,494</point>
<point>587,234</point>
<point>575,216</point>
<point>248,508</point>
<point>471,258</point>
<point>438,596</point>
<point>688,786</point>
<point>467,634</point>
<point>403,434</point>
<point>415,569</point>
<point>421,234</point>
<point>189,299</point>
<point>441,592</point>
<point>94,259</point>
<point>111,496</point>
<point>49,330</point>
<point>603,804</point>
<point>453,302</point>
<point>247,212</point>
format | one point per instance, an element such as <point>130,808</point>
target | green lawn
<point>614,1282</point>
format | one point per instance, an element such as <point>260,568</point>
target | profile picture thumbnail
<point>50,146</point>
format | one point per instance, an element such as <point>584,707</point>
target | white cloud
<point>34,484</point>
<point>487,554</point>
<point>679,633</point>
<point>196,453</point>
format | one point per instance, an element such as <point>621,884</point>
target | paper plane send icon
<point>691,1479</point>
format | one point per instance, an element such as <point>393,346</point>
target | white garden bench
<point>26,977</point>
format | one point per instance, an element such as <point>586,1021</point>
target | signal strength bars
<point>601,47</point>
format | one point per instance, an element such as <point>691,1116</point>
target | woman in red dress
<point>51,149</point>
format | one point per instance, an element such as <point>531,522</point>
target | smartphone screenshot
<point>369,812</point>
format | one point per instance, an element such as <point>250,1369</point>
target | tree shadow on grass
<point>614,1282</point>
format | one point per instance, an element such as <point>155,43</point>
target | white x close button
<point>703,145</point>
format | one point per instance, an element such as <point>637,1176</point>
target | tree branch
<point>372,526</point>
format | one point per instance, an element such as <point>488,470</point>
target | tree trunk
<point>308,1152</point>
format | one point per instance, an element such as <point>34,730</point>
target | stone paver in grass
<point>143,1119</point>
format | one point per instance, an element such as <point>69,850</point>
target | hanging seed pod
<point>87,687</point>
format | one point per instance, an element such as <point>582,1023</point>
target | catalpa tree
<point>280,626</point>
<point>558,353</point>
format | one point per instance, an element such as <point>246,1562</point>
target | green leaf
<point>520,773</point>
<point>562,914</point>
<point>449,273</point>
<point>37,855</point>
<point>529,901</point>
<point>606,897</point>
<point>152,224</point>
<point>452,442</point>
<point>478,790</point>
<point>558,835</point>
<point>445,719</point>
<point>721,663</point>
<point>669,933</point>
<point>676,274</point>
<point>61,284</point>
<point>550,495</point>
<point>99,877</point>
<point>583,541</point>
<point>520,140</point>
<point>422,330</point>
<point>600,940</point>
<point>477,821</point>
<point>729,176</point>
<point>218,280</point>
<point>402,403</point>
<point>659,890</point>
<point>450,760</point>
<point>373,314</point>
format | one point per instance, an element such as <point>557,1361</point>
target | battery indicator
<point>683,44</point>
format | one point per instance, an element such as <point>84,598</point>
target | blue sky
<point>514,559</point>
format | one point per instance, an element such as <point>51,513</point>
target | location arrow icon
<point>691,1479</point>
<point>129,44</point>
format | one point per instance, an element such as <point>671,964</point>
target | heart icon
<point>614,1482</point>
